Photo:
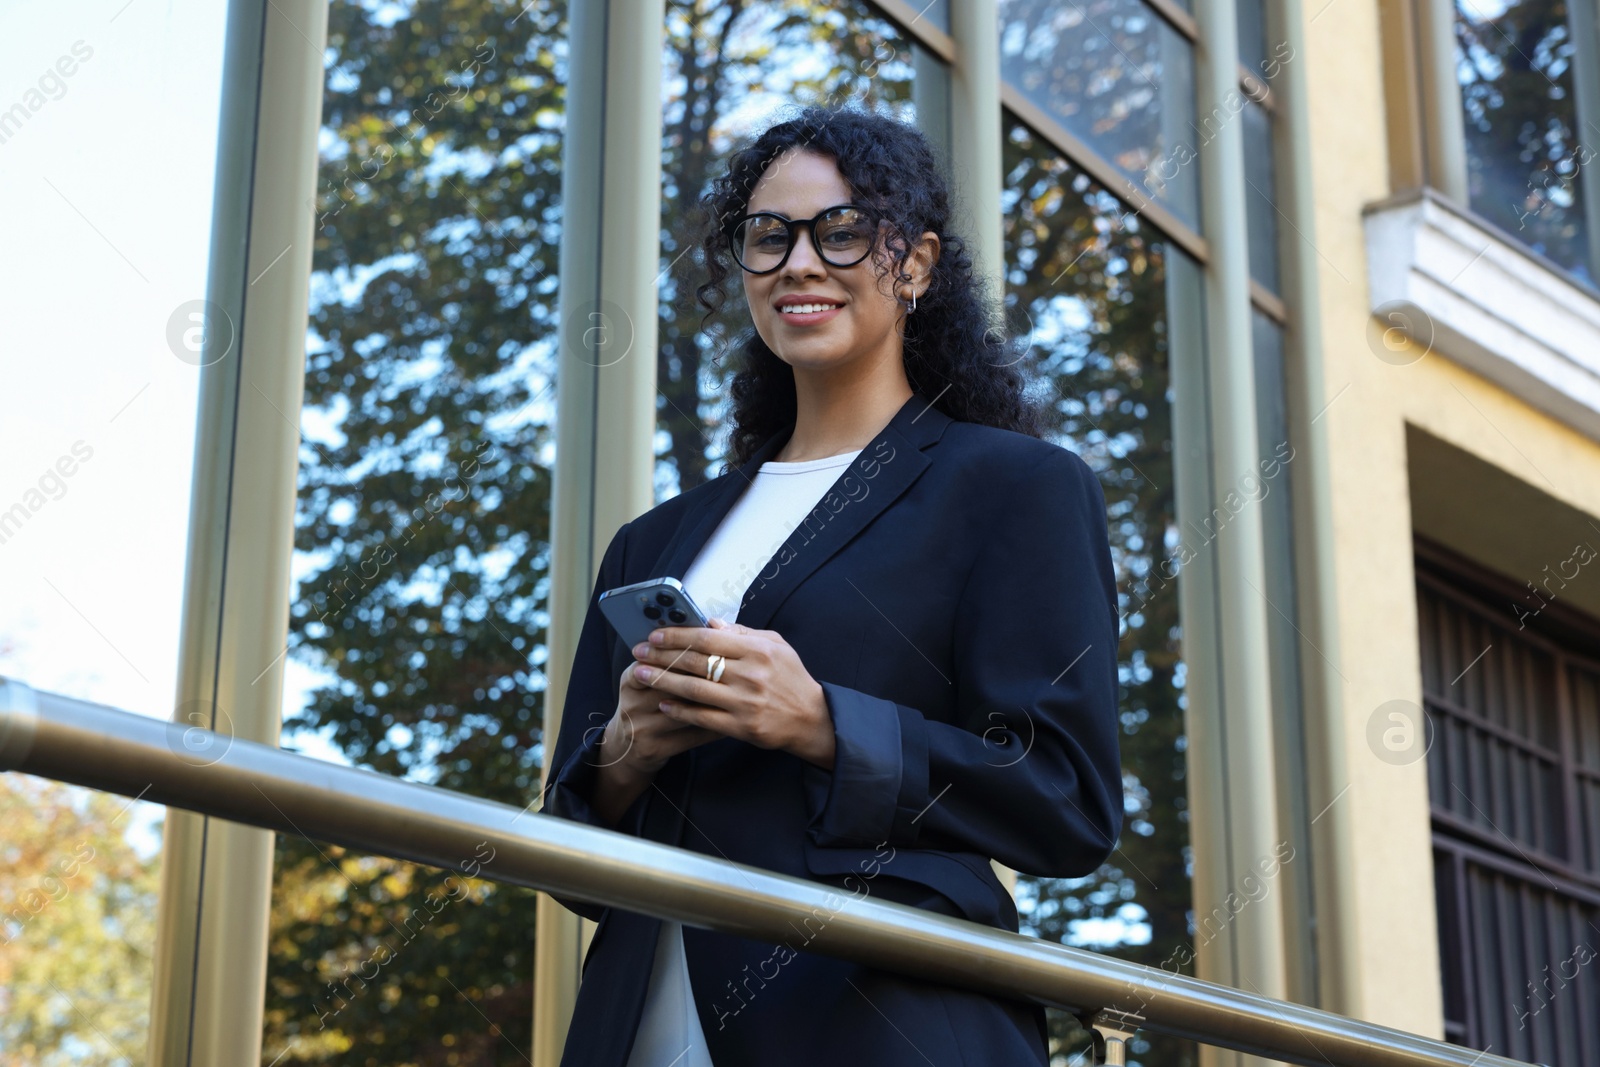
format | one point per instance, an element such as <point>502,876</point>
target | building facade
<point>1310,286</point>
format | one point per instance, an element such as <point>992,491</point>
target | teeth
<point>806,309</point>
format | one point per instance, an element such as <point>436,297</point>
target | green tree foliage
<point>424,513</point>
<point>77,924</point>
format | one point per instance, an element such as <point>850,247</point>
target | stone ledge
<point>1472,293</point>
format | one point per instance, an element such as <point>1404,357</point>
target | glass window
<point>930,100</point>
<point>1117,77</point>
<point>1261,212</point>
<point>1088,282</point>
<point>418,621</point>
<point>936,12</point>
<point>1525,157</point>
<point>108,138</point>
<point>1273,488</point>
<point>775,60</point>
<point>1251,17</point>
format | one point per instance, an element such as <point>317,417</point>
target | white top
<point>760,521</point>
<point>777,500</point>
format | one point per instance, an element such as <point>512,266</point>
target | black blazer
<point>953,593</point>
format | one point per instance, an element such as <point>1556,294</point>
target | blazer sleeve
<point>591,700</point>
<point>1029,773</point>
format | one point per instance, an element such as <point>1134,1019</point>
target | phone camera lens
<point>677,615</point>
<point>652,612</point>
<point>666,600</point>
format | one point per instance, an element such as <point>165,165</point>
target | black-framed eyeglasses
<point>843,235</point>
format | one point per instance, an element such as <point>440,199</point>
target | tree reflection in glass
<point>1525,158</point>
<point>1088,281</point>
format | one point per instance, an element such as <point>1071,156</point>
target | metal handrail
<point>186,767</point>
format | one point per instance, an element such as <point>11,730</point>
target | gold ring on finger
<point>714,666</point>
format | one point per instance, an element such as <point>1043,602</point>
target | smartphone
<point>634,610</point>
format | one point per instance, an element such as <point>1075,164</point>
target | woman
<point>917,630</point>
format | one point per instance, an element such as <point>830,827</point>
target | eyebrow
<point>774,211</point>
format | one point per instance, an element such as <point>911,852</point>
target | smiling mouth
<point>806,309</point>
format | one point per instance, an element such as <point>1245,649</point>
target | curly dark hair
<point>955,352</point>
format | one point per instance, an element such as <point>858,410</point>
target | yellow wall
<point>1385,863</point>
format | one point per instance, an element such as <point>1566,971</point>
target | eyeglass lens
<point>842,238</point>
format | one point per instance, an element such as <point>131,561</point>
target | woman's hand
<point>765,696</point>
<point>637,743</point>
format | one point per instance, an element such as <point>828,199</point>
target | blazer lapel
<point>883,470</point>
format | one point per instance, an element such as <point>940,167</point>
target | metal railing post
<point>1111,1031</point>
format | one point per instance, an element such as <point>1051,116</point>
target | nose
<point>804,258</point>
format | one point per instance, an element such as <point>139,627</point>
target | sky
<point>108,186</point>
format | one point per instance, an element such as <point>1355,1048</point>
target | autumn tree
<point>77,924</point>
